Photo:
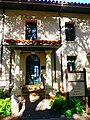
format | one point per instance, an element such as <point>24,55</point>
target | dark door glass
<point>33,69</point>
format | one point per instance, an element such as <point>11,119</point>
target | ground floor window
<point>71,65</point>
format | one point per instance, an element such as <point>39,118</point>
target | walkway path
<point>37,105</point>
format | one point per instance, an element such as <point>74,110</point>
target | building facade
<point>43,39</point>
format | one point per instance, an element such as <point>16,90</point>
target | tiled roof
<point>88,53</point>
<point>46,5</point>
<point>51,2</point>
<point>33,42</point>
<point>78,4</point>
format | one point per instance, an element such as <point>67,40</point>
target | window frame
<point>74,36</point>
<point>73,66</point>
<point>30,21</point>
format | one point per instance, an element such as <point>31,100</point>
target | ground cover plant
<point>5,105</point>
<point>59,105</point>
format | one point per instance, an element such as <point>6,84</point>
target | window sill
<point>72,42</point>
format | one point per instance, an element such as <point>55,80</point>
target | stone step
<point>28,90</point>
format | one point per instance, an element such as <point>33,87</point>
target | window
<point>70,31</point>
<point>71,66</point>
<point>31,30</point>
<point>32,69</point>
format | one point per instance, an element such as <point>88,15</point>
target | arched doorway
<point>32,69</point>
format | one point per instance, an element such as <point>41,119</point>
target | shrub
<point>5,106</point>
<point>76,105</point>
<point>1,94</point>
<point>68,113</point>
<point>88,94</point>
<point>59,105</point>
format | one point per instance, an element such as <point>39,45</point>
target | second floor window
<point>71,66</point>
<point>70,31</point>
<point>31,30</point>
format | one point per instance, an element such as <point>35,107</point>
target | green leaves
<point>5,106</point>
<point>76,105</point>
<point>68,113</point>
<point>59,105</point>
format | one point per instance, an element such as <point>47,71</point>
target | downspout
<point>3,13</point>
<point>10,67</point>
<point>10,74</point>
<point>55,65</point>
<point>61,67</point>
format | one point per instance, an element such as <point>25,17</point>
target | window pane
<point>31,30</point>
<point>71,63</point>
<point>70,33</point>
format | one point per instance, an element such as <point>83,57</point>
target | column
<point>48,67</point>
<point>16,89</point>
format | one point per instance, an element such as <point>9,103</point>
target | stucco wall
<point>47,24</point>
<point>5,66</point>
<point>14,28</point>
<point>48,28</point>
<point>81,45</point>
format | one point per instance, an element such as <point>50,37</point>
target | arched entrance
<point>32,69</point>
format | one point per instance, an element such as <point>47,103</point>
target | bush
<point>59,105</point>
<point>76,105</point>
<point>5,106</point>
<point>68,113</point>
<point>88,94</point>
<point>1,94</point>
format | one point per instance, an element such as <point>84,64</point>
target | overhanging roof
<point>44,5</point>
<point>88,53</point>
<point>32,45</point>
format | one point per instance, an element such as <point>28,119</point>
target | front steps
<point>37,90</point>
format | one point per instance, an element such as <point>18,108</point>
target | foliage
<point>68,113</point>
<point>59,105</point>
<point>88,94</point>
<point>5,106</point>
<point>1,94</point>
<point>76,105</point>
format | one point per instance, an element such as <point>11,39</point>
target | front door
<point>32,69</point>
